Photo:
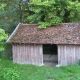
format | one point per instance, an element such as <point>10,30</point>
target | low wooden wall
<point>27,54</point>
<point>68,54</point>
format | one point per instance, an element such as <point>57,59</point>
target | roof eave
<point>13,33</point>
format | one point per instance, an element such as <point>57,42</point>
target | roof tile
<point>65,33</point>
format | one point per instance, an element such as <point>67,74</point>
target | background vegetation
<point>44,12</point>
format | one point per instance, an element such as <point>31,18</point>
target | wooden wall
<point>68,54</point>
<point>27,54</point>
<point>33,54</point>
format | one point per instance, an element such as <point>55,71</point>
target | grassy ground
<point>31,72</point>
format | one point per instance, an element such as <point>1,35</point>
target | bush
<point>9,74</point>
<point>3,36</point>
<point>7,52</point>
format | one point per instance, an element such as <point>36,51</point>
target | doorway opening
<point>50,54</point>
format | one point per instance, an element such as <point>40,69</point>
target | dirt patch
<point>50,60</point>
<point>50,63</point>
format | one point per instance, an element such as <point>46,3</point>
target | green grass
<point>31,72</point>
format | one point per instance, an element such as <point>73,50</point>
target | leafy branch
<point>52,12</point>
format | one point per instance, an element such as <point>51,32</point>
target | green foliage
<point>9,74</point>
<point>44,13</point>
<point>52,12</point>
<point>7,52</point>
<point>3,36</point>
<point>2,7</point>
<point>9,14</point>
<point>74,8</point>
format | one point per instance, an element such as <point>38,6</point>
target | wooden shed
<point>28,43</point>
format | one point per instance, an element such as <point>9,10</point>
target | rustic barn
<point>31,45</point>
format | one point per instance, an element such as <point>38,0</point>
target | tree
<point>43,12</point>
<point>10,15</point>
<point>52,12</point>
<point>15,11</point>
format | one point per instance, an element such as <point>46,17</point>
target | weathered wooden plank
<point>13,53</point>
<point>77,51</point>
<point>40,51</point>
<point>27,54</point>
<point>59,59</point>
<point>68,54</point>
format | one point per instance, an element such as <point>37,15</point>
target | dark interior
<point>50,49</point>
<point>50,54</point>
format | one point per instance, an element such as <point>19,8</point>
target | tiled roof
<point>65,33</point>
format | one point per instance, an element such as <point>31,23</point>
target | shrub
<point>3,36</point>
<point>9,74</point>
<point>7,52</point>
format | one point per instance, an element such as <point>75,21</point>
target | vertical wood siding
<point>28,54</point>
<point>68,54</point>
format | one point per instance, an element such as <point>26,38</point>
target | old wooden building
<point>30,44</point>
